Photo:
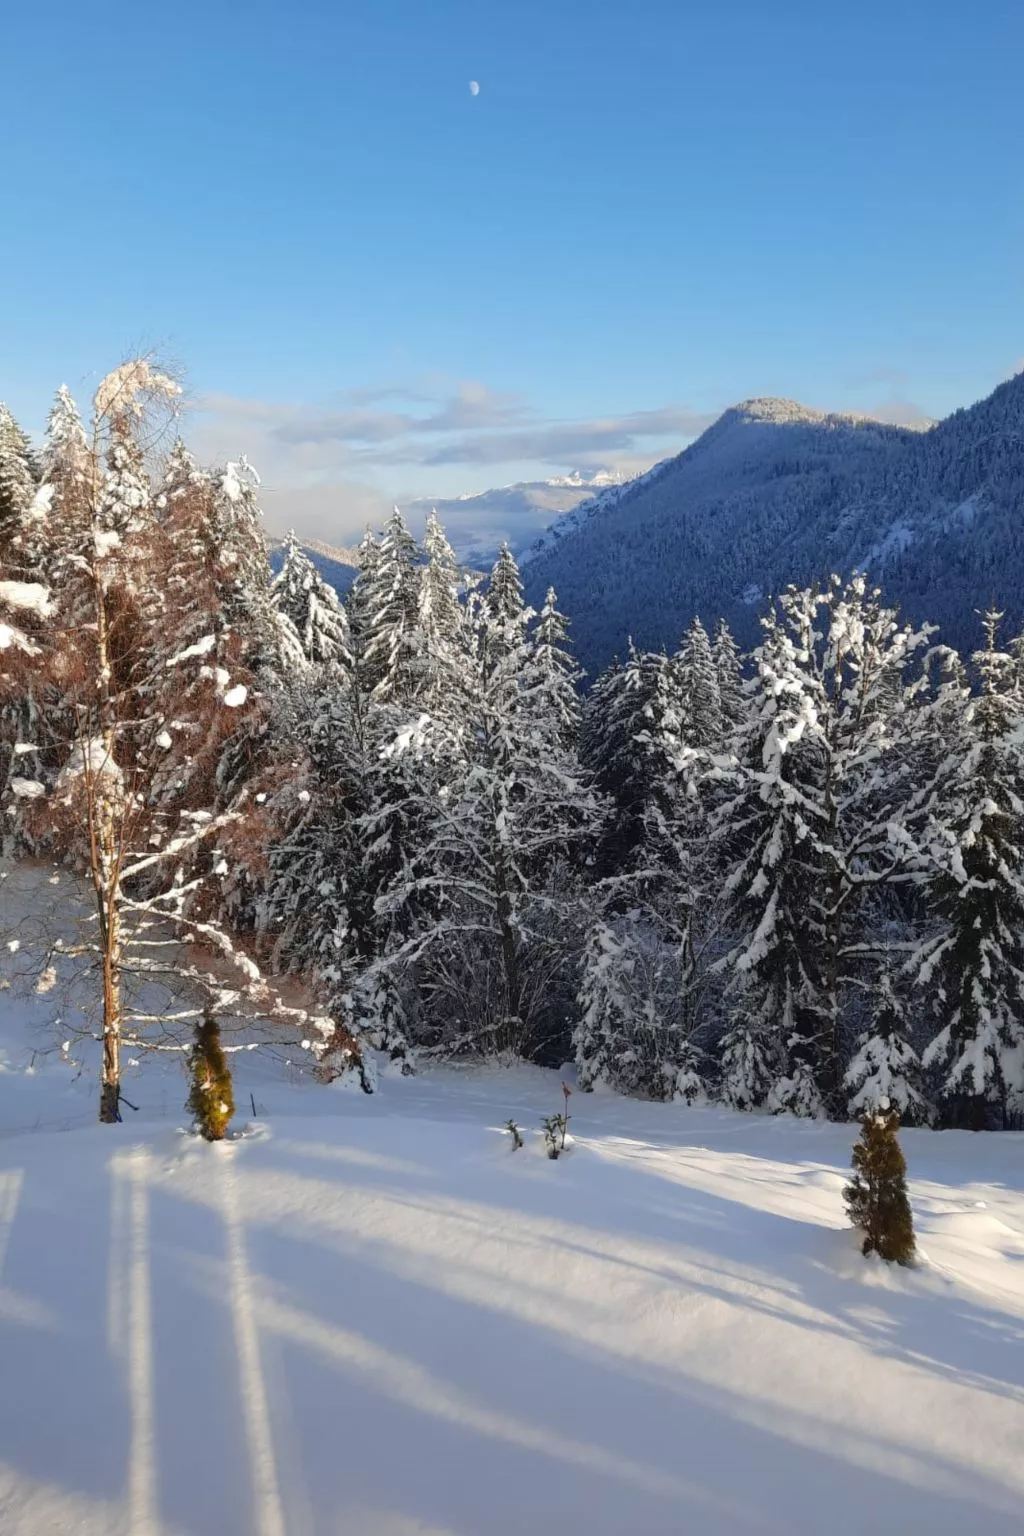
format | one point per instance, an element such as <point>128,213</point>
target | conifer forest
<point>789,880</point>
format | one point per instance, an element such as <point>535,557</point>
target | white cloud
<point>901,413</point>
<point>327,469</point>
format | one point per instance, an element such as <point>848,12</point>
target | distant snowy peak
<point>478,521</point>
<point>592,506</point>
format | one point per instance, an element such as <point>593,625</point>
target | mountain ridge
<point>773,492</point>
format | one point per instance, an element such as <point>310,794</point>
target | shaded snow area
<point>370,1317</point>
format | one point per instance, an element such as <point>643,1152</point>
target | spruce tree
<point>390,649</point>
<point>269,643</point>
<point>65,456</point>
<point>483,907</point>
<point>357,601</point>
<point>886,1069</point>
<point>972,849</point>
<point>729,675</point>
<point>631,724</point>
<point>699,689</point>
<point>19,475</point>
<point>765,836</point>
<point>211,1099</point>
<point>555,677</point>
<point>876,1197</point>
<point>312,606</point>
<point>442,618</point>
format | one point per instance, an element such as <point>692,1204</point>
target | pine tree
<point>813,838</point>
<point>631,726</point>
<point>606,1010</point>
<point>729,675</point>
<point>270,644</point>
<point>442,619</point>
<point>482,907</point>
<point>632,1030</point>
<point>696,678</point>
<point>211,1100</point>
<point>311,604</point>
<point>749,1052</point>
<point>973,849</point>
<point>765,835</point>
<point>66,454</point>
<point>555,678</point>
<point>357,601</point>
<point>886,1070</point>
<point>876,1196</point>
<point>19,477</point>
<point>390,651</point>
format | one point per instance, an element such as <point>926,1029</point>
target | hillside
<point>774,492</point>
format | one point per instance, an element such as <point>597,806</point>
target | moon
<point>474,87</point>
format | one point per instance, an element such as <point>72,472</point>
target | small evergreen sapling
<point>555,1127</point>
<point>211,1100</point>
<point>876,1197</point>
<point>515,1133</point>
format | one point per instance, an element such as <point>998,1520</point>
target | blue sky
<point>383,285</point>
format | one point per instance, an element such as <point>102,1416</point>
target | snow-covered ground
<point>370,1317</point>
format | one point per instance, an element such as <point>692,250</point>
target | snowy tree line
<point>791,880</point>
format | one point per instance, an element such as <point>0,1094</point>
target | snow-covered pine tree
<point>729,673</point>
<point>607,1005</point>
<point>413,681</point>
<point>357,601</point>
<point>484,917</point>
<point>630,717</point>
<point>315,915</point>
<point>271,645</point>
<point>311,604</point>
<point>66,453</point>
<point>445,640</point>
<point>886,1071</point>
<point>750,1054</point>
<point>839,671</point>
<point>19,476</point>
<point>973,845</point>
<point>868,685</point>
<point>631,1032</point>
<point>556,678</point>
<point>700,699</point>
<point>390,655</point>
<point>768,834</point>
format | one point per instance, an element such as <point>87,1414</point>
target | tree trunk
<point>110,1080</point>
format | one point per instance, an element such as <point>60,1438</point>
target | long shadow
<point>667,1455</point>
<point>64,1412</point>
<point>983,1354</point>
<point>346,1243</point>
<point>404,1394</point>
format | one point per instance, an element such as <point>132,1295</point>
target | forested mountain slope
<point>774,492</point>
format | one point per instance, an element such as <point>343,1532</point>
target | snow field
<point>371,1316</point>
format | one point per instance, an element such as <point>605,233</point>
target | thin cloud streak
<point>329,469</point>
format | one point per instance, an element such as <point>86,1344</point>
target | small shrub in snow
<point>211,1099</point>
<point>876,1197</point>
<point>555,1127</point>
<point>515,1133</point>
